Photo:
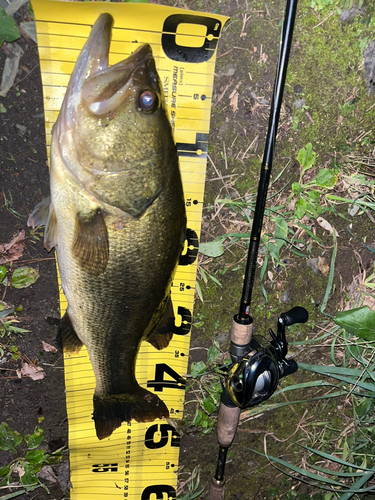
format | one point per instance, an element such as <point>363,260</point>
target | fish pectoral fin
<point>67,336</point>
<point>90,246</point>
<point>39,215</point>
<point>44,215</point>
<point>111,410</point>
<point>163,333</point>
<point>50,232</point>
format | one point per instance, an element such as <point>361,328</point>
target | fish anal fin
<point>39,215</point>
<point>67,336</point>
<point>90,246</point>
<point>163,333</point>
<point>110,411</point>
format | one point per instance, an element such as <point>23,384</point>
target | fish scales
<point>116,216</point>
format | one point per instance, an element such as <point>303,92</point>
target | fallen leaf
<point>46,472</point>
<point>32,371</point>
<point>13,5</point>
<point>14,249</point>
<point>326,225</point>
<point>6,309</point>
<point>213,248</point>
<point>19,470</point>
<point>48,347</point>
<point>10,68</point>
<point>323,266</point>
<point>30,29</point>
<point>234,102</point>
<point>25,276</point>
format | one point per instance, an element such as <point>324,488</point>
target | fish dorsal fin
<point>163,333</point>
<point>67,336</point>
<point>90,246</point>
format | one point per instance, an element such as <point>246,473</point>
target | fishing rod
<point>257,364</point>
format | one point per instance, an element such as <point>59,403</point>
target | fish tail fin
<point>110,411</point>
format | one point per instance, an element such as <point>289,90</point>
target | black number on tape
<point>182,53</point>
<point>160,383</point>
<point>199,149</point>
<point>163,431</point>
<point>186,318</point>
<point>192,248</point>
<point>105,468</point>
<point>162,492</point>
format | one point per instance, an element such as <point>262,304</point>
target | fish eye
<point>148,100</point>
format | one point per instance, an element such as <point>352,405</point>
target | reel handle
<point>295,315</point>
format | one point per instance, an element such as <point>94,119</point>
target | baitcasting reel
<point>252,379</point>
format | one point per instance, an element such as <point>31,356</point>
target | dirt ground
<point>326,71</point>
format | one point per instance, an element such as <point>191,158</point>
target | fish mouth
<point>104,86</point>
<point>104,91</point>
<point>100,87</point>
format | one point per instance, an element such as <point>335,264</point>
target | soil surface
<point>326,77</point>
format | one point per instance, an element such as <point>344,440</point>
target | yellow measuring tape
<point>139,460</point>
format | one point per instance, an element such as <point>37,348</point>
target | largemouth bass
<point>116,217</point>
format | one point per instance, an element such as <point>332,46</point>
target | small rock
<point>227,71</point>
<point>314,264</point>
<point>285,297</point>
<point>299,103</point>
<point>222,337</point>
<point>349,14</point>
<point>21,129</point>
<point>369,66</point>
<point>231,71</point>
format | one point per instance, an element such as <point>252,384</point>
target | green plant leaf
<point>326,178</point>
<point>3,270</point>
<point>13,495</point>
<point>314,195</point>
<point>212,353</point>
<point>4,470</point>
<point>24,276</point>
<point>9,438</point>
<point>198,368</point>
<point>34,456</point>
<point>314,210</point>
<point>281,232</point>
<point>35,439</point>
<point>359,322</point>
<point>213,248</point>
<point>209,405</point>
<point>198,417</point>
<point>29,479</point>
<point>8,28</point>
<point>296,188</point>
<point>306,157</point>
<point>300,208</point>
